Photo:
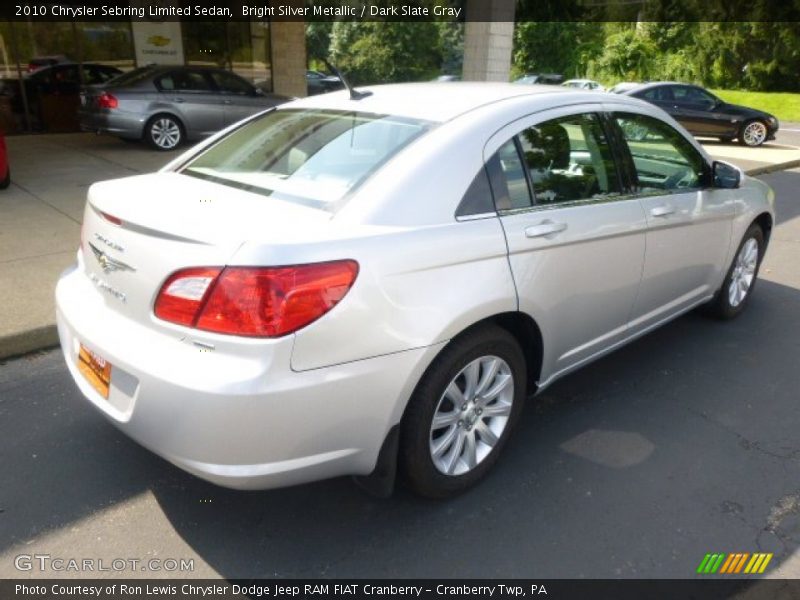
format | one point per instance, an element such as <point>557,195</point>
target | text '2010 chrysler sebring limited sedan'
<point>353,283</point>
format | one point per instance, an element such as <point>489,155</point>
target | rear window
<point>133,77</point>
<point>313,157</point>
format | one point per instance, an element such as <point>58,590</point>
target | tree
<point>379,52</point>
<point>559,47</point>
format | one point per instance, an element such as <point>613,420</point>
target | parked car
<point>53,92</point>
<point>705,115</point>
<point>584,84</point>
<point>541,78</point>
<point>167,105</point>
<point>37,62</point>
<point>320,83</point>
<point>442,78</point>
<point>5,170</point>
<point>311,294</point>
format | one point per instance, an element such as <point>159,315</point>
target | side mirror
<point>726,176</point>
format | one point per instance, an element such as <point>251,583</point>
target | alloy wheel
<point>471,415</point>
<point>166,133</point>
<point>754,133</point>
<point>744,272</point>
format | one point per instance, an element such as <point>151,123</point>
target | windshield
<point>313,157</point>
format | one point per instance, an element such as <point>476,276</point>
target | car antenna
<point>354,93</point>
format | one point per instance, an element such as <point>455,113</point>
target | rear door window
<point>184,81</point>
<point>229,83</point>
<point>569,159</point>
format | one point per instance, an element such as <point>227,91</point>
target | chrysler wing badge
<point>107,263</point>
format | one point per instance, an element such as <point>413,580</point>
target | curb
<point>32,340</point>
<point>46,337</point>
<point>789,164</point>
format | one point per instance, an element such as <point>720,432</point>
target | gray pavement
<point>682,443</point>
<point>40,215</point>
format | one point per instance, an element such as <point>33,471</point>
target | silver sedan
<point>356,284</point>
<point>166,106</point>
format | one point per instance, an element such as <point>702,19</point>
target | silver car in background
<point>167,105</point>
<point>352,284</point>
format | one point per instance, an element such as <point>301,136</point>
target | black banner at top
<point>402,10</point>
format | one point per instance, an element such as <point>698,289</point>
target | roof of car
<point>654,84</point>
<point>435,101</point>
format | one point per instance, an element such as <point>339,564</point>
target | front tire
<point>753,133</point>
<point>164,132</point>
<point>731,299</point>
<point>462,412</point>
<point>6,181</point>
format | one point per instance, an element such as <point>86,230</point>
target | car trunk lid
<point>139,230</point>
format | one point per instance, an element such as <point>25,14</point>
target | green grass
<point>785,106</point>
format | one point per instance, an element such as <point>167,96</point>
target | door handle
<point>179,100</point>
<point>544,229</point>
<point>662,211</point>
<point>227,102</point>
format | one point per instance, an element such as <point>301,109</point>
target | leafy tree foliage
<point>378,52</point>
<point>761,56</point>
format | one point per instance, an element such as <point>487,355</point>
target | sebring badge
<point>107,263</point>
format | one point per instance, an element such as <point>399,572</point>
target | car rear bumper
<point>237,416</point>
<point>116,122</point>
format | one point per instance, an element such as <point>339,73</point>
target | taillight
<point>254,301</point>
<point>106,100</point>
<point>182,295</point>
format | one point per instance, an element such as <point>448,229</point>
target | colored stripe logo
<point>733,564</point>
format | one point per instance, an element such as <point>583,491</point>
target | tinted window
<point>95,74</point>
<point>313,157</point>
<point>662,157</point>
<point>478,198</point>
<point>231,84</point>
<point>183,81</point>
<point>658,94</point>
<point>692,95</point>
<point>569,159</point>
<point>134,77</point>
<point>509,185</point>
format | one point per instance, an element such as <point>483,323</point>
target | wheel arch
<point>764,220</point>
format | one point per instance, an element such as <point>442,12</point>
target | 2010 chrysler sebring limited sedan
<point>353,283</point>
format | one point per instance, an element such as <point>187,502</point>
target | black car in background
<point>540,78</point>
<point>53,94</point>
<point>320,83</point>
<point>705,115</point>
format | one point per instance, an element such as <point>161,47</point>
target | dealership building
<point>271,53</point>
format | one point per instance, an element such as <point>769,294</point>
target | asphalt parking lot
<point>680,444</point>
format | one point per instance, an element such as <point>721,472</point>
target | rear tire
<point>6,181</point>
<point>475,390</point>
<point>164,132</point>
<point>731,299</point>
